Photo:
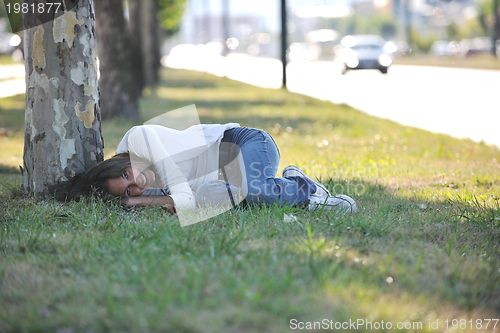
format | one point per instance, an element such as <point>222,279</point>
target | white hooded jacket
<point>181,160</point>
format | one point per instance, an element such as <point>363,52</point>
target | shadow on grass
<point>180,83</point>
<point>394,245</point>
<point>347,259</point>
<point>186,79</point>
<point>304,125</point>
<point>444,249</point>
<point>245,114</point>
<point>12,113</point>
<point>6,169</point>
<point>10,181</point>
<point>234,104</point>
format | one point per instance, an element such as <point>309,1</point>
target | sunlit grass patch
<point>477,212</point>
<point>6,59</point>
<point>479,61</point>
<point>12,114</point>
<point>11,132</point>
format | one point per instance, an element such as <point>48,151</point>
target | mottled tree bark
<point>63,118</point>
<point>118,92</point>
<point>150,41</point>
<point>135,29</point>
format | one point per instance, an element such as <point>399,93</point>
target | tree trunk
<point>157,49</point>
<point>284,42</point>
<point>150,41</point>
<point>225,27</point>
<point>135,29</point>
<point>118,91</point>
<point>63,118</point>
<point>496,29</point>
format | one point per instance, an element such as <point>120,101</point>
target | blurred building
<point>256,24</point>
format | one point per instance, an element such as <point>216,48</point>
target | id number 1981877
<point>477,324</point>
<point>33,8</point>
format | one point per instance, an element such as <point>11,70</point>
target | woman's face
<point>132,183</point>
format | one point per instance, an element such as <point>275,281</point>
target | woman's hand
<point>165,202</point>
<point>169,206</point>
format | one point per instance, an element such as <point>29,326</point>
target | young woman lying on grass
<point>204,165</point>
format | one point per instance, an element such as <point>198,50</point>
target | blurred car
<point>445,48</point>
<point>304,52</point>
<point>364,52</point>
<point>476,45</point>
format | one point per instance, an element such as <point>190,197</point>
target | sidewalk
<point>12,80</point>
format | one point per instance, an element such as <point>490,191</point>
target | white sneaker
<point>341,203</point>
<point>293,171</point>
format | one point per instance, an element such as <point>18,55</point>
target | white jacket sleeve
<point>146,149</point>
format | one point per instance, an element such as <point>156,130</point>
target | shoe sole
<point>302,174</point>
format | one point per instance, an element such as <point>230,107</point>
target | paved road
<point>459,102</point>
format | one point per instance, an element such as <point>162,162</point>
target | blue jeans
<point>261,159</point>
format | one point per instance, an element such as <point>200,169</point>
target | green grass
<point>6,59</point>
<point>479,61</point>
<point>424,247</point>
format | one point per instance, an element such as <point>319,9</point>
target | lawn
<point>6,59</point>
<point>422,254</point>
<point>478,61</point>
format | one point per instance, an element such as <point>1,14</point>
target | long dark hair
<point>92,181</point>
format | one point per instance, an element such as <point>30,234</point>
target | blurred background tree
<point>117,83</point>
<point>489,18</point>
<point>151,21</point>
<point>170,15</point>
<point>375,23</point>
<point>485,16</point>
<point>150,41</point>
<point>135,31</point>
<point>422,42</point>
<point>130,52</point>
<point>3,13</point>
